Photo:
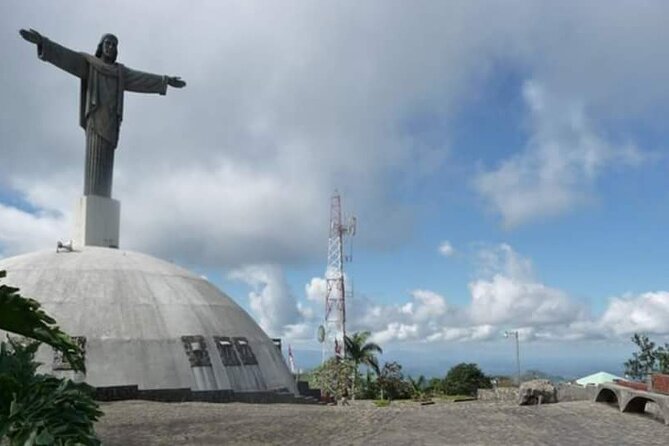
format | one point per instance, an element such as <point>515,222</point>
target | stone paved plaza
<point>403,423</point>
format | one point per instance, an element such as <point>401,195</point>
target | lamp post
<point>515,334</point>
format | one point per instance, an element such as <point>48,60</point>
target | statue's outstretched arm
<point>142,82</point>
<point>176,82</point>
<point>62,57</point>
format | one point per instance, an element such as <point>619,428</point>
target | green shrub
<point>25,317</point>
<point>369,387</point>
<point>334,377</point>
<point>464,379</point>
<point>391,382</point>
<point>42,409</point>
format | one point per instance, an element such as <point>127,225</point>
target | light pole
<point>515,333</point>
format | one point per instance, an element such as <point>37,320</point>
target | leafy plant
<point>25,317</point>
<point>392,383</point>
<point>16,368</point>
<point>465,379</point>
<point>334,377</point>
<point>650,358</point>
<point>40,409</point>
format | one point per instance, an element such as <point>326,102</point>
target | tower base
<point>97,221</point>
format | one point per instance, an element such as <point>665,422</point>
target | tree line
<point>342,378</point>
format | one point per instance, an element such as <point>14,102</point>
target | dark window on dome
<point>196,350</point>
<point>245,352</point>
<point>60,362</point>
<point>227,351</point>
<point>277,343</point>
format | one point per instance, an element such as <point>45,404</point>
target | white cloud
<point>556,171</point>
<point>306,312</point>
<point>508,296</point>
<point>24,231</point>
<point>505,300</point>
<point>428,305</point>
<point>251,215</point>
<point>446,249</point>
<point>299,332</point>
<point>316,289</point>
<point>43,216</point>
<point>271,300</point>
<point>644,313</point>
<point>395,331</point>
<point>502,259</point>
<point>426,313</point>
<point>472,333</point>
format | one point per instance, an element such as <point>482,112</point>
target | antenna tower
<point>336,294</point>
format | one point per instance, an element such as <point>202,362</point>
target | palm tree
<point>360,351</point>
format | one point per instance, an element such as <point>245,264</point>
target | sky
<point>506,162</point>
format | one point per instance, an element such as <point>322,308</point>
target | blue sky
<point>528,136</point>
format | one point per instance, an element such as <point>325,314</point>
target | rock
<point>537,391</point>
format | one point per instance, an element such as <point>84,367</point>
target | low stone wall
<point>565,392</point>
<point>574,392</point>
<point>498,394</point>
<point>119,393</point>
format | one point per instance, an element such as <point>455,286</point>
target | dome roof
<point>148,322</point>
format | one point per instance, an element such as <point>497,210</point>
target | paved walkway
<point>403,423</point>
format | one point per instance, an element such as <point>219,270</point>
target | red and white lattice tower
<point>335,296</point>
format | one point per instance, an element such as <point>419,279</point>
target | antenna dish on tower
<point>352,225</point>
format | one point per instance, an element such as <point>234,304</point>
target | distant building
<point>597,378</point>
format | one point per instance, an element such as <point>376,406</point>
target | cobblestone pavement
<point>403,423</point>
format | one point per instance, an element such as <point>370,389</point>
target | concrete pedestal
<point>97,222</point>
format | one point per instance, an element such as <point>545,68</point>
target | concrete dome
<point>147,322</point>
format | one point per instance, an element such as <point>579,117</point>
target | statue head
<point>107,48</point>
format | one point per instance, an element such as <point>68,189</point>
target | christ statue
<point>103,82</point>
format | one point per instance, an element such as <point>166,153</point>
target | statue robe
<point>101,106</point>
